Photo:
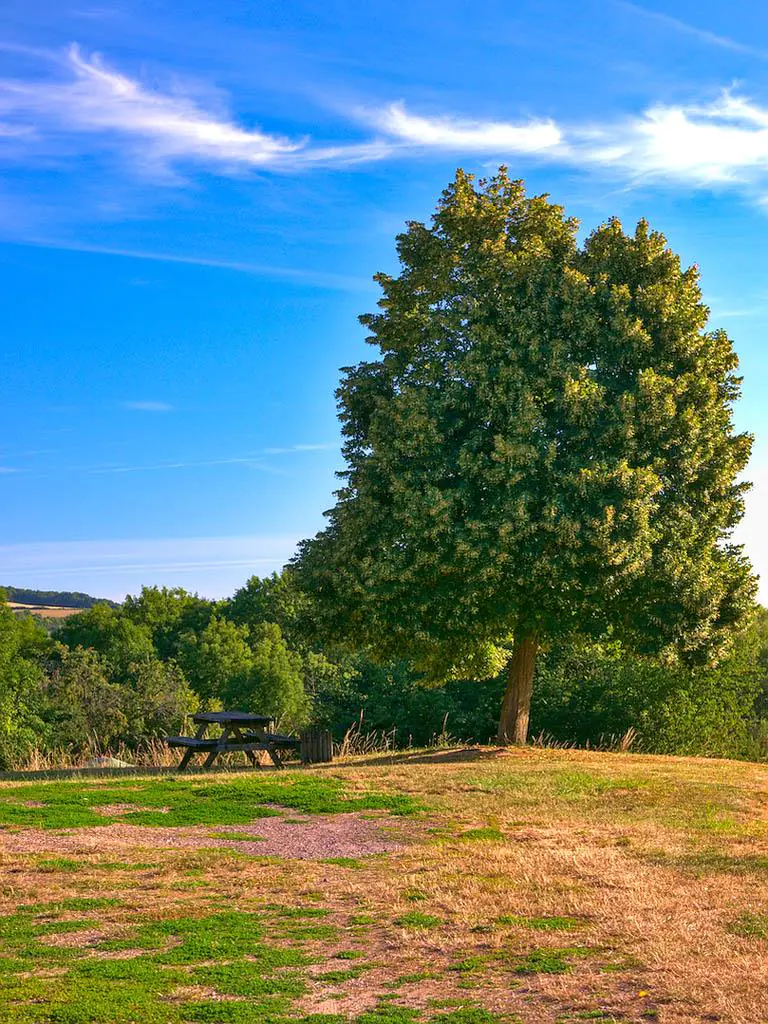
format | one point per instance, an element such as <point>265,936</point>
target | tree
<point>217,659</point>
<point>169,613</point>
<point>275,598</point>
<point>273,685</point>
<point>544,445</point>
<point>23,643</point>
<point>158,701</point>
<point>122,642</point>
<point>82,707</point>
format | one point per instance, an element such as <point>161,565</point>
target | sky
<point>194,200</point>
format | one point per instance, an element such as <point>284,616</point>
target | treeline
<point>121,676</point>
<point>55,598</point>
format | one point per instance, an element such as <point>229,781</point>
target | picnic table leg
<point>217,749</point>
<point>248,753</point>
<point>185,759</point>
<point>273,754</point>
<point>188,753</point>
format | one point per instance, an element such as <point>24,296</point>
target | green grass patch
<point>475,835</point>
<point>543,924</point>
<point>750,926</point>
<point>470,964</point>
<point>248,978</point>
<point>715,861</point>
<point>387,1014</point>
<point>54,864</point>
<point>340,976</point>
<point>178,802</point>
<point>415,919</point>
<point>547,961</point>
<point>413,895</point>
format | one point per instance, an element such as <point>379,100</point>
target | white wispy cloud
<point>256,460</point>
<point>685,28</point>
<point>95,98</point>
<point>301,448</point>
<point>722,142</point>
<point>253,460</point>
<point>446,132</point>
<point>159,130</point>
<point>147,406</point>
<point>299,275</point>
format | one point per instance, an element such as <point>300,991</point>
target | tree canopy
<point>544,445</point>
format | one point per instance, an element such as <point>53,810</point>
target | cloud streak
<point>703,35</point>
<point>300,276</point>
<point>220,563</point>
<point>446,132</point>
<point>255,461</point>
<point>161,129</point>
<point>147,406</point>
<point>723,142</point>
<point>98,99</point>
<point>155,131</point>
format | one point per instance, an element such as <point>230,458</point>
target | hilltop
<point>464,886</point>
<point>50,604</point>
<point>54,598</point>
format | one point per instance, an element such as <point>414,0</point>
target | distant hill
<point>53,598</point>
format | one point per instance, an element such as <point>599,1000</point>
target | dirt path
<point>306,837</point>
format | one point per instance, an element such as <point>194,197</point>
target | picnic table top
<point>231,718</point>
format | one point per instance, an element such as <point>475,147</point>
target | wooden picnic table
<point>240,731</point>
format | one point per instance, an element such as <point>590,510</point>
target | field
<point>44,611</point>
<point>459,887</point>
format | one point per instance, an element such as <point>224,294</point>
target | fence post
<point>316,746</point>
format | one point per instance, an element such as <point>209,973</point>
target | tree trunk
<point>516,706</point>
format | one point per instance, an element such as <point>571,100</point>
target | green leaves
<point>544,444</point>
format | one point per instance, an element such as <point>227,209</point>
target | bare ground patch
<point>312,837</point>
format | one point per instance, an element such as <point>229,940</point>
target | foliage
<point>544,445</point>
<point>589,693</point>
<point>275,598</point>
<point>107,684</point>
<point>82,707</point>
<point>249,669</point>
<point>22,644</point>
<point>58,598</point>
<point>169,613</point>
<point>216,660</point>
<point>274,685</point>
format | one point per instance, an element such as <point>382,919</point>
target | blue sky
<point>193,200</point>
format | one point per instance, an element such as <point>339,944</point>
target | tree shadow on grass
<point>461,755</point>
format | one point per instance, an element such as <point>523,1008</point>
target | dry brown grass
<point>44,611</point>
<point>653,857</point>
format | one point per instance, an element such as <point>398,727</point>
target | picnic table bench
<point>240,731</point>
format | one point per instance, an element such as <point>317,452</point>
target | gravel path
<point>311,837</point>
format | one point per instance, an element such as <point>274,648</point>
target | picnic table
<point>240,731</point>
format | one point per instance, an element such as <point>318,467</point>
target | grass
<point>415,919</point>
<point>544,924</point>
<point>171,802</point>
<point>536,885</point>
<point>751,926</point>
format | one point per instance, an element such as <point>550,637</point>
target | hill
<point>53,598</point>
<point>467,886</point>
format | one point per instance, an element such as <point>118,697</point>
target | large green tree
<point>544,445</point>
